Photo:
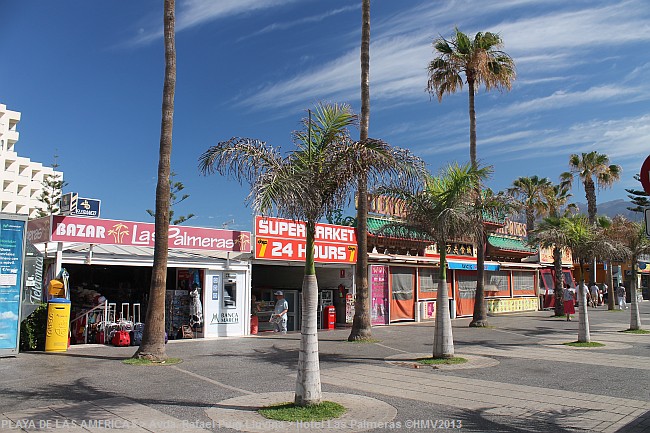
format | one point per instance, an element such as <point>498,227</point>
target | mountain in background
<point>613,208</point>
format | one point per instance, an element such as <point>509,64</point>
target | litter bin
<point>329,314</point>
<point>58,325</point>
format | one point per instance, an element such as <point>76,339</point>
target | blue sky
<point>87,77</point>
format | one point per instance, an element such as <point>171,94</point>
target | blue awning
<point>471,266</point>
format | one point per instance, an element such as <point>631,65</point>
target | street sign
<point>644,174</point>
<point>647,222</point>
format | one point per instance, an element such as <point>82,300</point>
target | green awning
<point>376,228</point>
<point>510,244</point>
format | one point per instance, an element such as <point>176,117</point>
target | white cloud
<point>8,315</point>
<point>192,13</point>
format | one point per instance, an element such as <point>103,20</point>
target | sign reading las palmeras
<point>283,239</point>
<point>114,232</point>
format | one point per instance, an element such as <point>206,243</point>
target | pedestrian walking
<point>620,294</point>
<point>569,303</point>
<point>593,291</point>
<point>279,317</point>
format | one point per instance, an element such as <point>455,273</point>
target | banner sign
<point>114,232</point>
<point>471,266</point>
<point>513,228</point>
<point>12,241</point>
<point>546,256</point>
<point>72,204</point>
<point>282,239</point>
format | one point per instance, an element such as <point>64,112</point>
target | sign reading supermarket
<point>115,232</point>
<point>283,239</point>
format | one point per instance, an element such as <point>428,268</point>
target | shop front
<point>547,275</point>
<point>110,264</point>
<point>280,265</point>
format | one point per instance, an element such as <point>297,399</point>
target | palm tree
<point>153,336</point>
<point>482,62</point>
<point>586,241</point>
<point>530,193</point>
<point>361,325</point>
<point>556,197</point>
<point>550,234</point>
<point>632,235</point>
<point>306,185</point>
<point>444,210</point>
<point>594,170</point>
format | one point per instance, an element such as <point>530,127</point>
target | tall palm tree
<point>483,63</point>
<point>632,235</point>
<point>307,184</point>
<point>556,197</point>
<point>361,325</point>
<point>444,210</point>
<point>586,241</point>
<point>594,170</point>
<point>153,336</point>
<point>530,193</point>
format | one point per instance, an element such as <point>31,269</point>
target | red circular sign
<point>645,175</point>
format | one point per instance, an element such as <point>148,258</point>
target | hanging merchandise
<point>196,309</point>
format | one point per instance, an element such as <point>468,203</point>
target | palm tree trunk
<point>308,387</point>
<point>480,309</point>
<point>479,318</point>
<point>472,122</point>
<point>635,318</point>
<point>558,292</point>
<point>583,321</point>
<point>590,194</point>
<point>443,339</point>
<point>610,289</point>
<point>153,336</point>
<point>361,325</point>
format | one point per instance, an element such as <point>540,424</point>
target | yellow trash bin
<point>58,325</point>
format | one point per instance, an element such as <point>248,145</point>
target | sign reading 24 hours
<point>291,249</point>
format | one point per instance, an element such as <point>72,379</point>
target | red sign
<point>113,232</point>
<point>644,174</point>
<point>282,239</point>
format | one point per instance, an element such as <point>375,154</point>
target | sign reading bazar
<point>113,232</point>
<point>283,239</point>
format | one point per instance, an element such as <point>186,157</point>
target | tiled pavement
<point>564,408</point>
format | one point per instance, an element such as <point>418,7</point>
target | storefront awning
<point>82,253</point>
<point>510,244</point>
<point>471,265</point>
<point>380,227</point>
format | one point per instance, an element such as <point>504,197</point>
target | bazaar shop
<point>279,265</point>
<point>110,264</point>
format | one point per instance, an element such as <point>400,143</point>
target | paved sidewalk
<point>521,379</point>
<point>565,409</point>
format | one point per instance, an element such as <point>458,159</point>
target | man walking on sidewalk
<point>620,294</point>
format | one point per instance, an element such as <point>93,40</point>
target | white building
<point>21,180</point>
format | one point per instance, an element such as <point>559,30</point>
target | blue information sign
<point>12,238</point>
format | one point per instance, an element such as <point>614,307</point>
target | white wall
<point>221,321</point>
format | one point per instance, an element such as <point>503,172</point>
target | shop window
<point>496,282</point>
<point>523,282</point>
<point>402,283</point>
<point>466,286</point>
<point>230,291</point>
<point>429,279</point>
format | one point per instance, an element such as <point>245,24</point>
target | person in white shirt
<point>620,294</point>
